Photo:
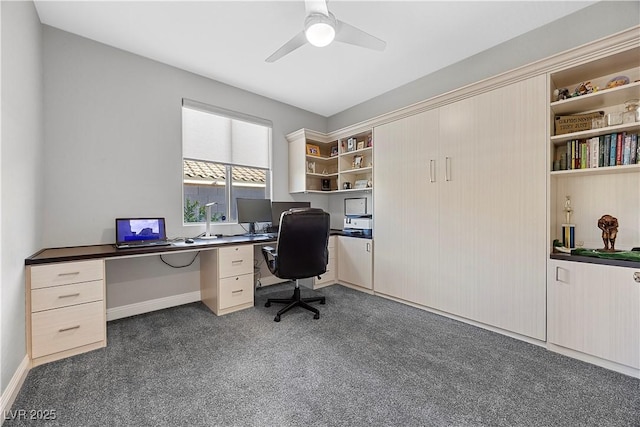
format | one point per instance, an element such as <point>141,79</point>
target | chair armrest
<point>271,258</point>
<point>270,250</point>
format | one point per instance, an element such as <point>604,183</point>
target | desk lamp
<point>207,210</point>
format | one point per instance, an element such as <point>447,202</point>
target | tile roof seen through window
<point>194,169</point>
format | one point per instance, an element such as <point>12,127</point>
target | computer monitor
<point>278,207</point>
<point>252,211</point>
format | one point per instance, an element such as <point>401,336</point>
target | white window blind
<point>221,136</point>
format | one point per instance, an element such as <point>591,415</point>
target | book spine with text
<point>619,148</point>
<point>612,153</point>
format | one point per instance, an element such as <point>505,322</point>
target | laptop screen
<point>140,230</point>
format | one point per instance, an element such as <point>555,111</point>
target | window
<point>225,156</point>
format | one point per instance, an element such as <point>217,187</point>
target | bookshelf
<point>590,305</point>
<point>596,187</point>
<point>330,163</point>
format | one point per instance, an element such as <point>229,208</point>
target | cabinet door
<point>407,176</point>
<point>595,309</point>
<point>509,227</point>
<point>461,206</point>
<point>355,259</point>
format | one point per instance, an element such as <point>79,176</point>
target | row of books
<point>614,149</point>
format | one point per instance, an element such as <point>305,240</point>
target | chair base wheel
<point>295,301</point>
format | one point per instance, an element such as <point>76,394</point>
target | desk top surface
<point>78,253</point>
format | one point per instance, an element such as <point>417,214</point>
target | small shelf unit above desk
<point>330,163</point>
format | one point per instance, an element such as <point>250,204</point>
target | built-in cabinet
<point>355,257</point>
<point>330,163</point>
<point>226,279</point>
<point>66,313</point>
<point>329,277</point>
<point>461,226</point>
<point>595,309</point>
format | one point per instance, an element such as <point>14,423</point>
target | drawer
<point>235,260</point>
<point>236,290</point>
<point>66,328</point>
<point>66,295</point>
<point>65,273</point>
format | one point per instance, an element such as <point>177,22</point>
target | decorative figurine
<point>567,209</point>
<point>609,226</point>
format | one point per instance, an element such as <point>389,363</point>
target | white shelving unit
<point>335,168</point>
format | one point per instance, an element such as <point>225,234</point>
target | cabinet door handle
<point>69,274</point>
<point>238,261</point>
<point>447,168</point>
<point>432,170</point>
<point>636,276</point>
<point>236,292</point>
<point>368,247</point>
<point>69,295</point>
<point>558,279</point>
<point>69,329</point>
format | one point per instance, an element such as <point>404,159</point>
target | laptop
<point>140,233</point>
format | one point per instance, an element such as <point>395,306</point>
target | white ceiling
<point>228,41</point>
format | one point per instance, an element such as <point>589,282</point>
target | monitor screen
<point>278,207</point>
<point>254,210</point>
<point>140,229</point>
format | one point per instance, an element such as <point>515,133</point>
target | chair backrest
<point>302,243</point>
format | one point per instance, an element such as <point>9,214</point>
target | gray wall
<point>586,25</point>
<point>21,173</point>
<point>104,110</point>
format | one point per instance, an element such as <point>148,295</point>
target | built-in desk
<point>66,289</point>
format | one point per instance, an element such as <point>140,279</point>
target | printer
<point>358,225</point>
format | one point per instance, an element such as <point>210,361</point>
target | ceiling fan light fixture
<point>319,29</point>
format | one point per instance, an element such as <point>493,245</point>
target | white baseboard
<point>594,360</point>
<point>13,388</point>
<point>151,305</point>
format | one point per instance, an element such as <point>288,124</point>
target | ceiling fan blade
<point>297,41</point>
<point>347,33</point>
<point>316,6</point>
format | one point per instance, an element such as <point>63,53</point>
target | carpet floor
<point>366,361</point>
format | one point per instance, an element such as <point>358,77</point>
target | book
<point>594,148</point>
<point>612,153</point>
<point>607,149</point>
<point>619,148</point>
<point>573,153</point>
<point>584,154</point>
<point>634,149</point>
<point>601,151</point>
<point>626,151</point>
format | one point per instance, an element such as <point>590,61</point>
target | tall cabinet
<point>467,205</point>
<point>594,310</point>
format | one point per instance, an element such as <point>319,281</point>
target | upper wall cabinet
<point>330,163</point>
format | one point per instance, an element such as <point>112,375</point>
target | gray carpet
<point>366,361</point>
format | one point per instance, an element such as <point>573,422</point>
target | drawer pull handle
<point>236,292</point>
<point>636,276</point>
<point>69,329</point>
<point>73,273</point>
<point>70,295</point>
<point>237,261</point>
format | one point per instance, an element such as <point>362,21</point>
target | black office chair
<point>301,253</point>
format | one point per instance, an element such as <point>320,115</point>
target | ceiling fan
<point>321,27</point>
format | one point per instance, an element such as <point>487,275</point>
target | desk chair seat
<point>301,252</point>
